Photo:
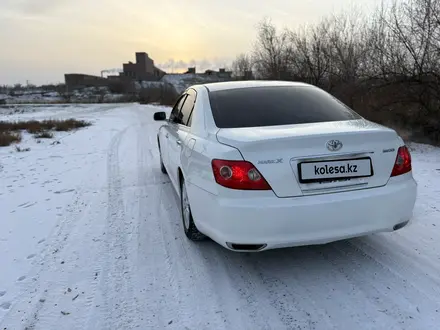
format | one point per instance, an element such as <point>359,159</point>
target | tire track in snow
<point>335,286</point>
<point>45,274</point>
<point>118,288</point>
<point>154,266</point>
<point>75,286</point>
<point>380,248</point>
<point>239,296</point>
<point>367,276</point>
<point>339,286</point>
<point>148,275</point>
<point>241,291</point>
<point>234,301</point>
<point>205,294</point>
<point>51,272</point>
<point>400,293</point>
<point>409,259</point>
<point>175,278</point>
<point>37,289</point>
<point>289,285</point>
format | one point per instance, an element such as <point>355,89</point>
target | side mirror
<point>160,116</point>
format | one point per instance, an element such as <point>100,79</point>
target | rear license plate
<point>337,169</point>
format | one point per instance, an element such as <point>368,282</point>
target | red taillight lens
<point>237,174</point>
<point>403,162</point>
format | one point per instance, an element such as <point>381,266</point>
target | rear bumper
<point>286,222</point>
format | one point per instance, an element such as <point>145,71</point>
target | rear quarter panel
<point>201,146</point>
<point>196,165</point>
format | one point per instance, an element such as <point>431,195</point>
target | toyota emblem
<point>334,145</point>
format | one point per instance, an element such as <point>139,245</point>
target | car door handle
<point>166,135</point>
<point>179,142</point>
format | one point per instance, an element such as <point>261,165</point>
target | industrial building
<point>142,70</point>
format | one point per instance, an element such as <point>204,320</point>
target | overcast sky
<point>40,40</point>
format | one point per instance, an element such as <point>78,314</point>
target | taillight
<point>237,174</point>
<point>403,162</point>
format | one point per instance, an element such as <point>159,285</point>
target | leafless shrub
<point>164,94</point>
<point>241,66</point>
<point>7,138</point>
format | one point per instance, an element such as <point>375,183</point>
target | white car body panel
<point>307,142</point>
<point>292,213</point>
<point>284,222</point>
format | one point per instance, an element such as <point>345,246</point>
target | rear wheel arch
<point>162,166</point>
<point>180,176</point>
<point>190,230</point>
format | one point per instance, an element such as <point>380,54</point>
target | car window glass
<point>272,106</point>
<point>187,108</point>
<point>190,119</point>
<point>176,109</point>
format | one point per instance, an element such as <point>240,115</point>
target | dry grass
<point>34,126</point>
<point>10,132</point>
<point>7,138</point>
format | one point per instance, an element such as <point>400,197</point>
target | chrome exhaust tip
<point>400,225</point>
<point>246,247</point>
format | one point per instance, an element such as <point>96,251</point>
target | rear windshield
<point>272,106</point>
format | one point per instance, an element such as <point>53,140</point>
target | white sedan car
<point>260,165</point>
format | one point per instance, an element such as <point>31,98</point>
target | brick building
<point>143,69</point>
<point>79,80</point>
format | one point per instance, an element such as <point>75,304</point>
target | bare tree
<point>311,60</point>
<point>272,52</point>
<point>347,38</point>
<point>241,65</point>
<point>386,66</point>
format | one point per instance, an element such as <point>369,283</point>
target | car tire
<point>162,166</point>
<point>189,226</point>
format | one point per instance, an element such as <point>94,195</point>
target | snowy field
<point>91,238</point>
<point>39,97</point>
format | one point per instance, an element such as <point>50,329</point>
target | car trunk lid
<point>306,159</point>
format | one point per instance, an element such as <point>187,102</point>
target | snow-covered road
<point>91,238</point>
